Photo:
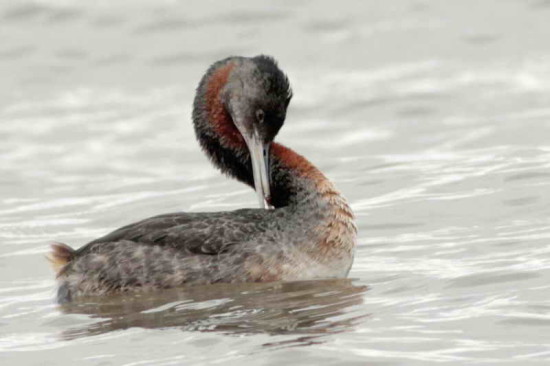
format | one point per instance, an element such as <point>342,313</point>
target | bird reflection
<point>306,308</point>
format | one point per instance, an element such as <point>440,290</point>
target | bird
<point>303,230</point>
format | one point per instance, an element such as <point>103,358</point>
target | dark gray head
<point>256,95</point>
<point>240,105</point>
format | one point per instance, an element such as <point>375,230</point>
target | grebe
<point>305,229</point>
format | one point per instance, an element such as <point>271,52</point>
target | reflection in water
<point>304,307</point>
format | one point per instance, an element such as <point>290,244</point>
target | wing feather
<point>194,233</point>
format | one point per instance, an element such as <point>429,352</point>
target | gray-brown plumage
<point>310,233</point>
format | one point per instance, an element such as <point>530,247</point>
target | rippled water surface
<point>433,118</point>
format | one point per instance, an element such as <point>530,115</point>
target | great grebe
<point>304,230</point>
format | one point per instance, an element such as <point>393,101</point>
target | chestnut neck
<point>293,178</point>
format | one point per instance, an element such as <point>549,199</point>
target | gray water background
<point>432,117</point>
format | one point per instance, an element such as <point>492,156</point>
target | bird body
<point>309,234</point>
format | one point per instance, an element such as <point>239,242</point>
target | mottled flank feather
<point>60,256</point>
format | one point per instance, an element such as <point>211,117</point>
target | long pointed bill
<point>259,154</point>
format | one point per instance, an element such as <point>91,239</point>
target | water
<point>433,118</point>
